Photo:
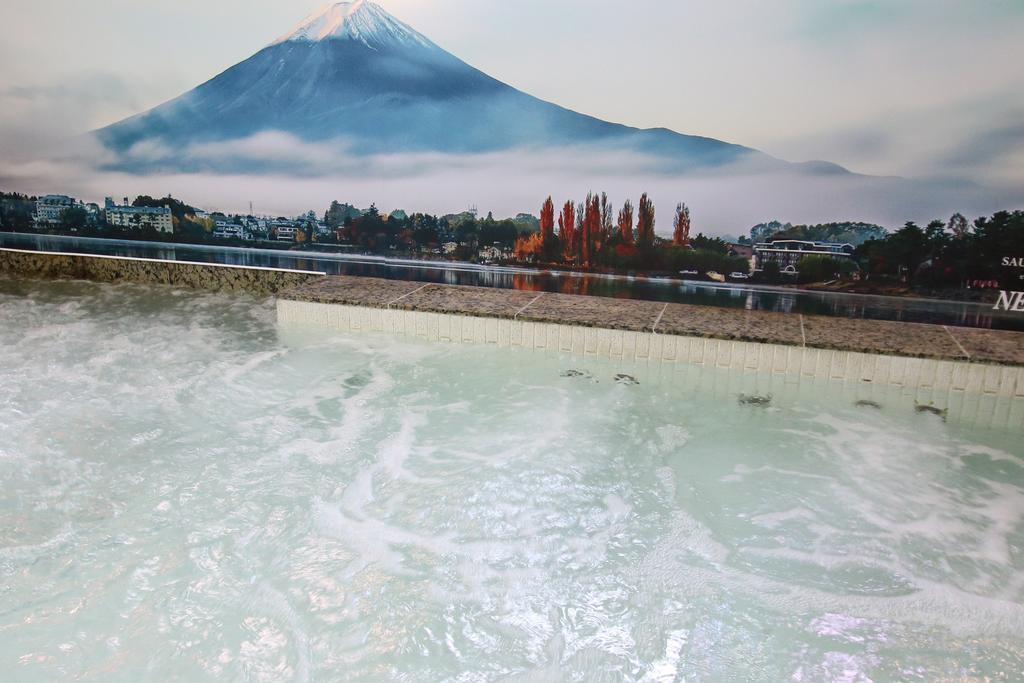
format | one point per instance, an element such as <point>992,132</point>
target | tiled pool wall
<point>932,381</point>
<point>99,268</point>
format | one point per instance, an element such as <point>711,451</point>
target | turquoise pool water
<point>190,492</point>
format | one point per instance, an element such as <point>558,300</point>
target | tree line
<point>953,253</point>
<point>592,235</point>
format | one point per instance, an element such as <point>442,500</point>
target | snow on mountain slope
<point>362,21</point>
<point>354,74</point>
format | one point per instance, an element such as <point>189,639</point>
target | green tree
<point>73,218</point>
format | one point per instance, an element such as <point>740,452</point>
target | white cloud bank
<point>300,176</point>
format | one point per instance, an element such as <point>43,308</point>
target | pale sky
<point>916,88</point>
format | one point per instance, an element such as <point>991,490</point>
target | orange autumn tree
<point>543,244</point>
<point>567,229</point>
<point>681,236</point>
<point>530,247</point>
<point>626,223</point>
<point>645,222</point>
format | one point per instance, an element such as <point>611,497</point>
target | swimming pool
<point>189,491</point>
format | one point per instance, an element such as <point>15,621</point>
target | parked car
<point>739,276</point>
<point>689,273</point>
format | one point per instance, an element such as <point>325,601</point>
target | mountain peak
<point>362,21</point>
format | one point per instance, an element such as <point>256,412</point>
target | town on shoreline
<point>954,259</point>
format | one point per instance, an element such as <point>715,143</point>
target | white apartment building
<point>126,216</point>
<point>51,207</point>
<point>285,231</point>
<point>225,230</point>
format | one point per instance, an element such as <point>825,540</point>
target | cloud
<point>38,120</point>
<point>280,153</point>
<point>298,176</point>
<point>997,150</point>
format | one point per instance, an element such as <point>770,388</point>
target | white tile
<point>696,353</point>
<point>433,326</point>
<point>897,370</point>
<point>617,343</point>
<point>943,376</point>
<point>515,334</point>
<point>643,345</point>
<point>553,341</point>
<point>737,354</point>
<point>576,345</point>
<point>604,343</point>
<point>991,381</point>
<point>837,365</point>
<point>780,358</point>
<point>808,362</point>
<point>629,344</point>
<point>710,353</point>
<point>961,375</point>
<point>975,379</point>
<point>882,365</point>
<point>1007,381</point>
<point>723,353</point>
<point>928,373</point>
<point>491,330</point>
<point>657,342</point>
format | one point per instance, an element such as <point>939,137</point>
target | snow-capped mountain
<point>354,73</point>
<point>361,21</point>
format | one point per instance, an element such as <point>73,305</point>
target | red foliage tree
<point>567,229</point>
<point>626,223</point>
<point>681,236</point>
<point>591,228</point>
<point>547,221</point>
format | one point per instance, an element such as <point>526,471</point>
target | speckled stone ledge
<point>212,276</point>
<point>877,337</point>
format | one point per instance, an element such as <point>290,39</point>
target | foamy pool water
<point>188,492</point>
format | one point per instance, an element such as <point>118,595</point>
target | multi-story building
<point>126,216</point>
<point>788,253</point>
<point>228,230</point>
<point>284,230</point>
<point>50,208</point>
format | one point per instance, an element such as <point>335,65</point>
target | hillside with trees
<point>855,233</point>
